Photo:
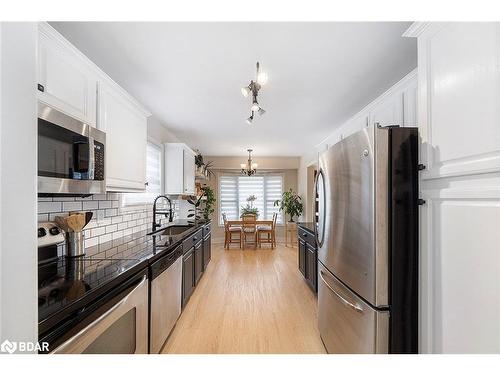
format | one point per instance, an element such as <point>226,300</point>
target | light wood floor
<point>250,301</point>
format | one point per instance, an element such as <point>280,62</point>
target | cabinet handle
<point>41,88</point>
<point>146,184</point>
<point>304,234</point>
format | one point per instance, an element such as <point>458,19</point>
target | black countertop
<point>65,285</point>
<point>309,226</point>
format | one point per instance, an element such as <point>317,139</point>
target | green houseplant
<point>203,205</point>
<point>291,203</point>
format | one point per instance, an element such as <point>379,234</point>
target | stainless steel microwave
<point>70,155</point>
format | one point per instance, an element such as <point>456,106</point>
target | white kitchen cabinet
<point>179,169</point>
<point>458,120</point>
<point>388,112</point>
<point>66,81</point>
<point>125,125</point>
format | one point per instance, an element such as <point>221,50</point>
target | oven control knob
<point>54,231</point>
<point>41,232</point>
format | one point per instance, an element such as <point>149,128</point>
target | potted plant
<point>291,203</point>
<point>249,209</point>
<point>203,205</point>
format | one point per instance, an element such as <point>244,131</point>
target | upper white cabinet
<point>179,169</point>
<point>125,125</point>
<point>388,112</point>
<point>66,82</point>
<point>74,85</point>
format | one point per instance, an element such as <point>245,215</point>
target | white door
<point>65,81</point>
<point>459,77</point>
<point>189,170</point>
<point>126,140</point>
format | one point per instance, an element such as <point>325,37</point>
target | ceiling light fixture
<point>254,87</point>
<point>250,168</point>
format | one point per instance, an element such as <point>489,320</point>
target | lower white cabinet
<point>179,169</point>
<point>125,125</point>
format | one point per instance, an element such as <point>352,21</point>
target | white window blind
<point>153,178</point>
<point>234,191</point>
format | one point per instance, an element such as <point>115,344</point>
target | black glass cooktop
<point>65,281</point>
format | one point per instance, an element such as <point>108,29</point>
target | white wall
<point>18,155</point>
<point>396,106</point>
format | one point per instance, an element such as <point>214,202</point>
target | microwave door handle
<point>91,171</point>
<point>61,348</point>
<point>339,296</point>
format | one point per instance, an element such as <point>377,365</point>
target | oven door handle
<point>61,348</point>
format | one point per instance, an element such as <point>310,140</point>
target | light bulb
<point>261,111</point>
<point>245,91</point>
<point>243,166</point>
<point>255,107</point>
<point>262,78</point>
<point>254,165</point>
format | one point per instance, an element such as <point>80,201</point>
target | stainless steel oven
<point>120,326</point>
<point>70,154</point>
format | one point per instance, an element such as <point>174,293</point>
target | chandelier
<point>253,88</point>
<point>250,168</point>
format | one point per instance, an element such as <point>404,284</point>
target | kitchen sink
<point>174,230</point>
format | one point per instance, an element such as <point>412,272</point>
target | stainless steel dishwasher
<point>166,294</point>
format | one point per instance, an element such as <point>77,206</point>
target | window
<point>153,178</point>
<point>234,191</point>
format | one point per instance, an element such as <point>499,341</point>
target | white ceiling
<point>189,75</point>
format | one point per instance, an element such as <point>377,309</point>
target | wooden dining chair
<point>232,233</point>
<point>249,229</point>
<point>269,232</point>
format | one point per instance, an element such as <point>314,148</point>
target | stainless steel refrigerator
<point>367,236</point>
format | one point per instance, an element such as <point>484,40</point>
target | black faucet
<point>155,211</point>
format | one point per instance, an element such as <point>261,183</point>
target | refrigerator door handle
<point>344,300</point>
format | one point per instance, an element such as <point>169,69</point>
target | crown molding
<point>416,29</point>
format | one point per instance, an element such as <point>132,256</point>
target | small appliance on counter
<point>73,225</point>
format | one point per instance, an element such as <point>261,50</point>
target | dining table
<point>239,223</point>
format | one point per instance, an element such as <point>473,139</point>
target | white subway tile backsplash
<point>116,219</point>
<point>47,207</point>
<point>122,226</point>
<point>111,228</point>
<point>108,223</point>
<point>97,231</point>
<point>89,242</point>
<point>72,206</point>
<point>91,205</point>
<point>111,212</point>
<point>104,204</point>
<point>105,238</point>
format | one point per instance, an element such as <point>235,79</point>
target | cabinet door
<point>189,168</point>
<point>198,261</point>
<point>187,276</point>
<point>311,265</point>
<point>68,83</point>
<point>302,257</point>
<point>126,140</point>
<point>389,112</point>
<point>207,250</point>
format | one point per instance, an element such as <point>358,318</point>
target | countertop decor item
<point>291,203</point>
<point>73,225</point>
<point>253,88</point>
